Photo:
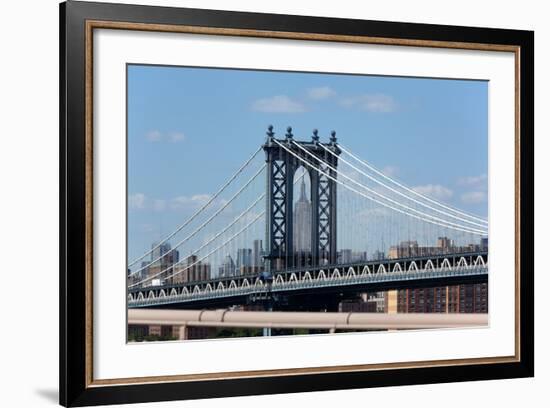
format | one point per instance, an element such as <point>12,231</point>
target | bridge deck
<point>368,276</point>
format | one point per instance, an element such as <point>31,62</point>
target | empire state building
<point>302,222</point>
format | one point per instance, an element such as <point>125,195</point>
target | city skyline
<point>165,143</point>
<point>249,261</point>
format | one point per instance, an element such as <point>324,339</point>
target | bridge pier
<point>283,158</point>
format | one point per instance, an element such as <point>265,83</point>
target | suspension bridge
<point>302,226</point>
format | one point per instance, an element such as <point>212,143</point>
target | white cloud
<point>157,136</point>
<point>477,186</point>
<point>176,137</point>
<point>140,201</point>
<point>278,104</point>
<point>148,227</point>
<point>201,198</point>
<point>153,136</point>
<point>435,191</point>
<point>351,173</point>
<point>474,197</point>
<point>369,214</point>
<point>222,202</point>
<point>251,216</point>
<point>474,181</point>
<point>159,205</point>
<point>185,202</point>
<point>390,170</point>
<point>380,103</point>
<point>137,201</point>
<point>320,93</point>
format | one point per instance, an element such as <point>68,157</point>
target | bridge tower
<point>281,168</point>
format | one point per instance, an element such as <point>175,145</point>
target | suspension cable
<point>210,201</point>
<point>374,169</point>
<point>400,193</point>
<point>202,258</point>
<point>205,223</point>
<point>383,196</point>
<point>482,233</point>
<point>213,238</point>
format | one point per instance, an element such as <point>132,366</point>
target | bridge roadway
<point>320,283</point>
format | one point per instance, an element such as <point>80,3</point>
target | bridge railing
<point>338,277</point>
<point>214,282</point>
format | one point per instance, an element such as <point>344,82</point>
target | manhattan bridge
<point>309,223</point>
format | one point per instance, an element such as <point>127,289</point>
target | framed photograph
<point>257,204</point>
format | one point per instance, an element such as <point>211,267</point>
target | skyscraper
<point>444,242</point>
<point>302,221</point>
<point>227,268</point>
<point>163,253</point>
<point>345,256</point>
<point>257,252</point>
<point>244,257</point>
<point>193,269</point>
<point>163,258</point>
<point>484,243</point>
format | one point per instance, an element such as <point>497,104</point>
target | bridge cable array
<point>446,213</point>
<point>197,230</point>
<point>256,218</point>
<point>441,215</point>
<point>410,190</point>
<point>337,172</point>
<point>238,218</point>
<point>200,210</point>
<point>313,167</point>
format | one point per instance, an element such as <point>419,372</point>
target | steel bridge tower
<point>281,168</point>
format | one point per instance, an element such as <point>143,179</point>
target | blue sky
<point>190,128</point>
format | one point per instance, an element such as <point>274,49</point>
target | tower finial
<point>289,134</point>
<point>315,137</point>
<point>333,137</point>
<point>270,133</point>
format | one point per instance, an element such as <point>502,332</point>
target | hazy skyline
<point>189,128</point>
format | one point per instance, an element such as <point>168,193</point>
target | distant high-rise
<point>345,256</point>
<point>484,243</point>
<point>244,257</point>
<point>144,270</point>
<point>163,253</point>
<point>443,245</point>
<point>228,267</point>
<point>444,242</point>
<point>163,258</point>
<point>257,252</point>
<point>302,222</point>
<point>405,249</point>
<point>349,256</point>
<point>378,255</point>
<point>193,269</point>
